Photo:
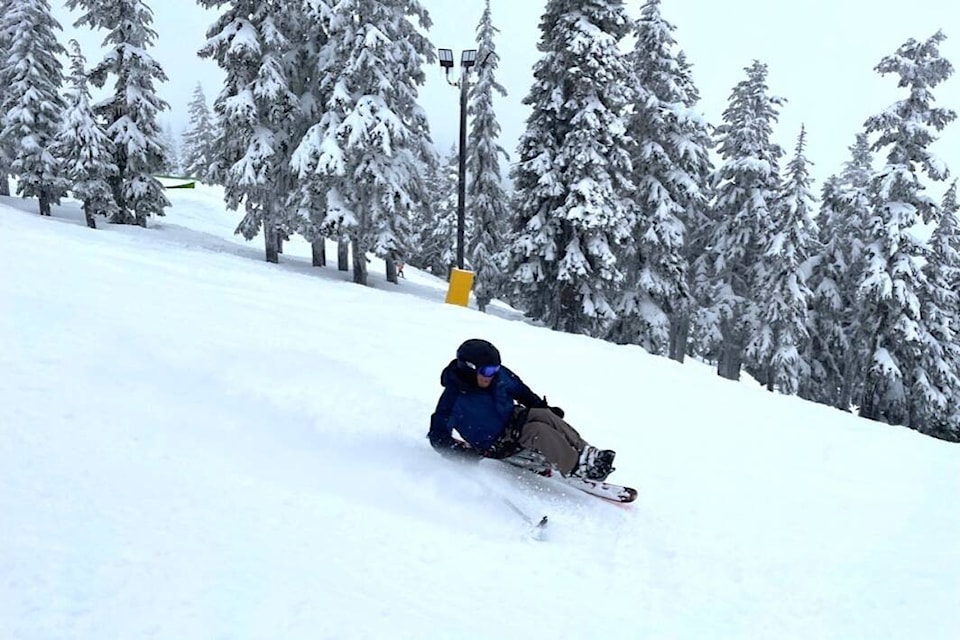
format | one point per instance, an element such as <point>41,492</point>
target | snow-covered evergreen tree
<point>363,161</point>
<point>32,106</point>
<point>486,200</point>
<point>670,162</point>
<point>746,185</point>
<point>893,280</point>
<point>779,340</point>
<point>572,182</point>
<point>199,150</point>
<point>84,147</point>
<point>171,164</point>
<point>834,352</point>
<point>258,112</point>
<point>936,399</point>
<point>5,154</point>
<point>699,221</point>
<point>825,294</point>
<point>131,111</point>
<point>309,41</point>
<point>434,245</point>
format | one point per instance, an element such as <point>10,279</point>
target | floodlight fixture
<point>468,59</point>
<point>446,58</point>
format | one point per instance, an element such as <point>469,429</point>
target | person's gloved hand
<point>455,449</point>
<point>557,411</point>
<point>463,451</point>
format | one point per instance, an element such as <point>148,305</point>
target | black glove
<point>454,449</point>
<point>462,451</point>
<point>557,411</point>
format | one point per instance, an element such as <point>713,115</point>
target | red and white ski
<point>535,463</point>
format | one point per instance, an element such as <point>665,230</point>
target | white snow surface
<point>197,445</point>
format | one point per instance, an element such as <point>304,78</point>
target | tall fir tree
<point>487,200</point>
<point>893,281</point>
<point>372,131</point>
<point>572,182</point>
<point>32,106</point>
<point>199,150</point>
<point>84,147</point>
<point>826,294</point>
<point>171,164</point>
<point>779,342</point>
<point>670,161</point>
<point>131,111</point>
<point>312,91</point>
<point>936,403</point>
<point>699,222</point>
<point>434,245</point>
<point>746,184</point>
<point>258,112</point>
<point>6,33</point>
<point>834,351</point>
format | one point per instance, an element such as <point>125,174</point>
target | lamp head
<point>446,58</point>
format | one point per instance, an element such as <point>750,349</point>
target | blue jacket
<point>480,416</point>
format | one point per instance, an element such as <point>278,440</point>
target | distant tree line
<point>628,217</point>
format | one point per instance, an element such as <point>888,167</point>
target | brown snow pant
<point>557,441</point>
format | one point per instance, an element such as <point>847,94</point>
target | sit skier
<point>498,415</point>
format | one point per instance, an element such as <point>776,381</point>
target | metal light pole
<point>467,60</point>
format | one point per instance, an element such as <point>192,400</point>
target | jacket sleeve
<point>441,433</point>
<point>526,397</point>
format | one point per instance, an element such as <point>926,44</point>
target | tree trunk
<point>868,407</point>
<point>4,184</point>
<point>319,249</point>
<point>567,317</point>
<point>843,399</point>
<point>731,359</point>
<point>359,263</point>
<point>679,336</point>
<point>116,186</point>
<point>343,254</point>
<point>44,203</point>
<point>88,214</point>
<point>391,269</point>
<point>270,243</point>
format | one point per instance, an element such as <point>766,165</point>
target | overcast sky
<point>820,55</point>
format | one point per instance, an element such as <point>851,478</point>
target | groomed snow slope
<point>195,444</point>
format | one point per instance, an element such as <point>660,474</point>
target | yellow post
<point>461,281</point>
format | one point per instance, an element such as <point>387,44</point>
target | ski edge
<point>605,490</point>
<point>615,493</point>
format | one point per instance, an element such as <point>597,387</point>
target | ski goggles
<point>487,371</point>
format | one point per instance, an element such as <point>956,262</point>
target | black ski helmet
<point>476,353</point>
